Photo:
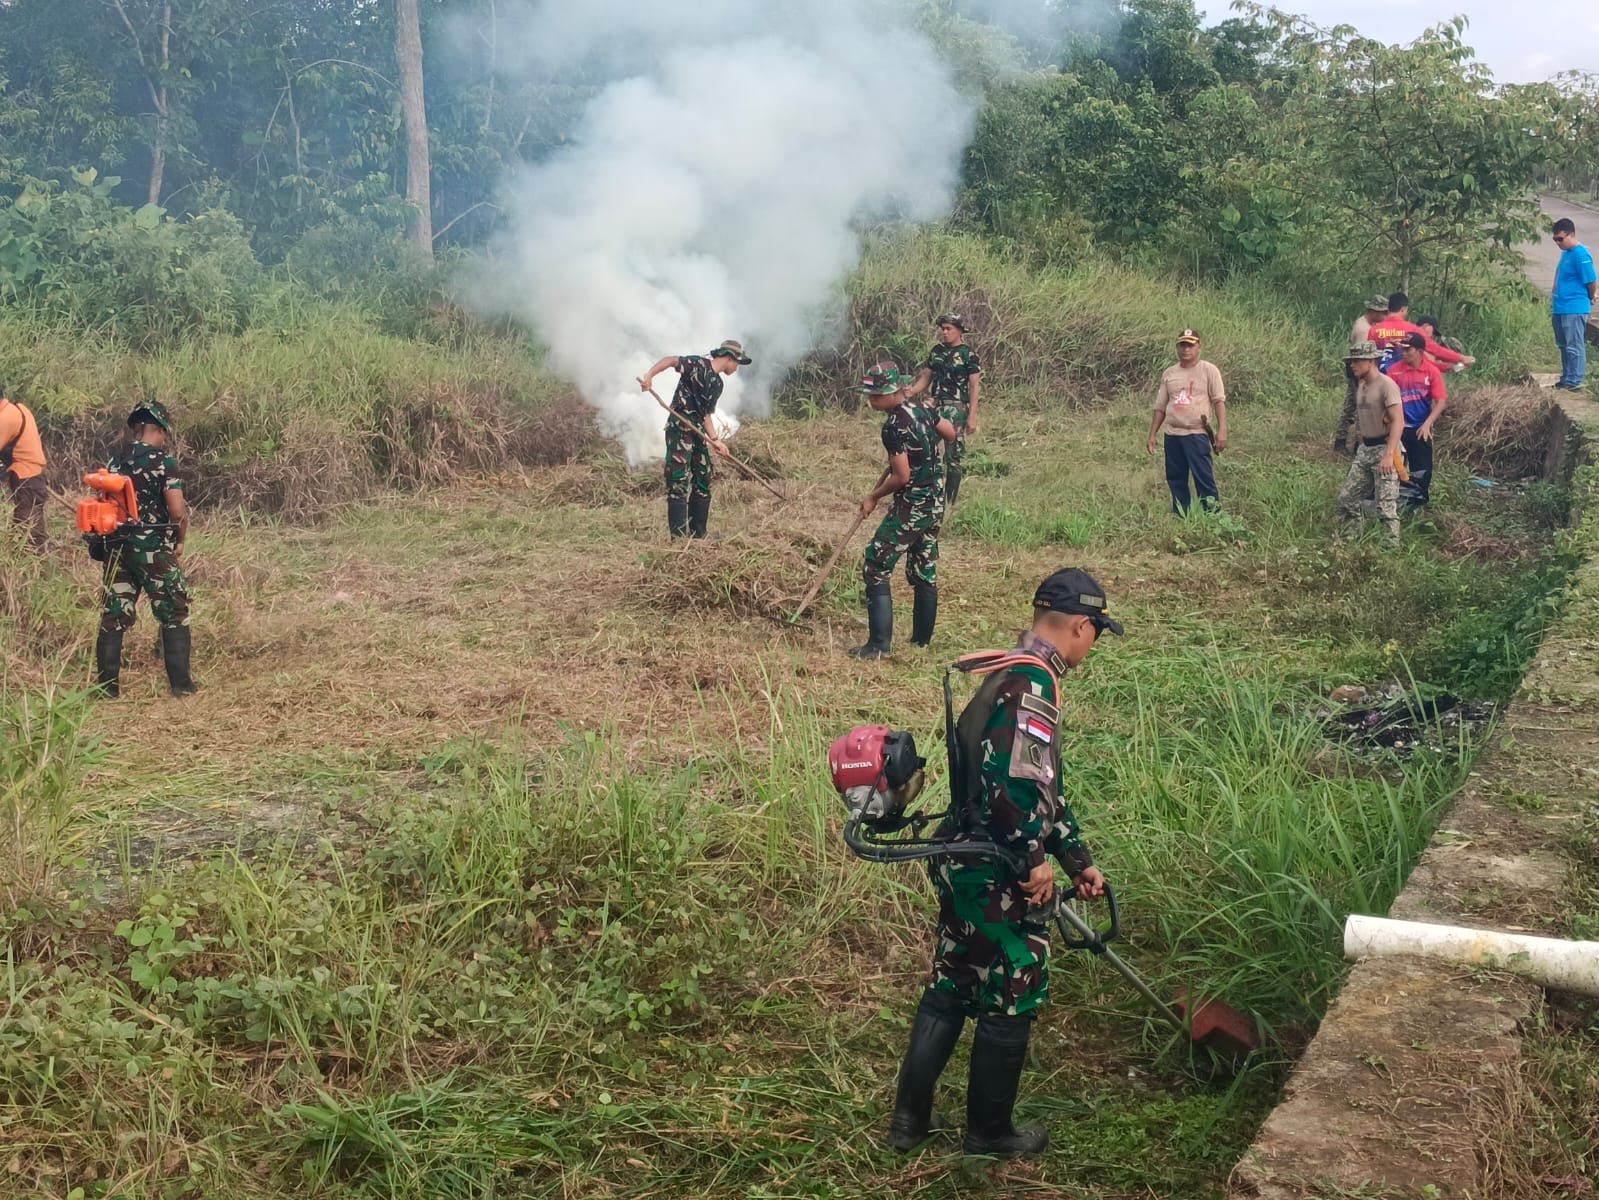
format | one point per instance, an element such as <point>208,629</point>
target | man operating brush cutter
<point>989,863</point>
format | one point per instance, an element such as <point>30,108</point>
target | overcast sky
<point>1522,41</point>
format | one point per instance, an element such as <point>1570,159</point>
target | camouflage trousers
<point>910,530</point>
<point>688,463</point>
<point>1367,489</point>
<point>955,452</point>
<point>989,953</point>
<point>156,573</point>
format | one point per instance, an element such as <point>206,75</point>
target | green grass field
<point>498,856</point>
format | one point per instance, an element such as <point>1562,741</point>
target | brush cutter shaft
<point>1064,916</point>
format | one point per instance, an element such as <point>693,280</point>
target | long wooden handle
<point>821,578</point>
<point>748,471</point>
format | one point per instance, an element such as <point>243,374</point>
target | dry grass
<point>749,574</point>
<point>1502,432</point>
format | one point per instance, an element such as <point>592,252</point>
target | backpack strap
<point>9,449</point>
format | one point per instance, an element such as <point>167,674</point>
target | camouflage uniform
<point>949,392</point>
<point>1365,484</point>
<point>688,458</point>
<point>993,953</point>
<point>145,559</point>
<point>910,527</point>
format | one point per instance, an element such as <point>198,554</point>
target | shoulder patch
<point>1043,708</point>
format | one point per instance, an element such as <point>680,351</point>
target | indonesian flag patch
<point>1035,726</point>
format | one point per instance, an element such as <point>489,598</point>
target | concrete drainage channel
<point>1416,1056</point>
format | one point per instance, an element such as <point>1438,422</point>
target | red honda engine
<point>876,770</point>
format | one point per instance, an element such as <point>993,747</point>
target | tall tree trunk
<point>158,155</point>
<point>408,53</point>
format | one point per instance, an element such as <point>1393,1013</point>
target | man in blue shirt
<point>1574,294</point>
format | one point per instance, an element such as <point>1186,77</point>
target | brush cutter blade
<point>1218,1026</point>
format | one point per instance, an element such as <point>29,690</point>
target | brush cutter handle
<point>1089,938</point>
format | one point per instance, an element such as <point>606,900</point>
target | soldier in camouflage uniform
<point>992,958</point>
<point>955,379</point>
<point>144,557</point>
<point>1373,478</point>
<point>688,453</point>
<point>915,479</point>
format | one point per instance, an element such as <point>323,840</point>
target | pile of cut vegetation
<point>752,574</point>
<point>1501,431</point>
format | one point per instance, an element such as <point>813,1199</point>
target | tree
<point>418,172</point>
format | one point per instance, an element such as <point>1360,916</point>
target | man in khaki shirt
<point>22,463</point>
<point>1192,406</point>
<point>1380,420</point>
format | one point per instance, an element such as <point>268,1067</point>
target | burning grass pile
<point>752,574</point>
<point>1501,432</point>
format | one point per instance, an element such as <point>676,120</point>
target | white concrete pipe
<point>1548,962</point>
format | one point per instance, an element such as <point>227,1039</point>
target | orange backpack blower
<point>113,505</point>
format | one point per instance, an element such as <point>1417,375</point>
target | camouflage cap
<point>952,318</point>
<point>1363,350</point>
<point>1377,304</point>
<point>151,412</point>
<point>882,380</point>
<point>732,349</point>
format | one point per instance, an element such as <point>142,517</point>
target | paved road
<point>1543,254</point>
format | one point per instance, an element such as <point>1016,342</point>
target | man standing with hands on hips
<point>1190,395</point>
<point>1573,297</point>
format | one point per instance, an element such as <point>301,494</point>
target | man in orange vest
<point>22,460</point>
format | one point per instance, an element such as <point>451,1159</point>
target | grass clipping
<point>752,574</point>
<point>1501,432</point>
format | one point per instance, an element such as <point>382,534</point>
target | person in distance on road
<point>955,378</point>
<point>1571,303</point>
<point>915,478</point>
<point>1190,396</point>
<point>991,960</point>
<point>690,437</point>
<point>1359,333</point>
<point>1374,475</point>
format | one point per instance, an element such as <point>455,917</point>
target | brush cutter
<point>879,774</point>
<point>739,464</point>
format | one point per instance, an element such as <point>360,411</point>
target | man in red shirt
<point>1388,331</point>
<point>1422,392</point>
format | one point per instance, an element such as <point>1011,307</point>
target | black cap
<point>1414,341</point>
<point>1074,591</point>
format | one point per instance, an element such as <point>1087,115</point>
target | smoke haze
<point>715,186</point>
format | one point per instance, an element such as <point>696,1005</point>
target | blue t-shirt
<point>1572,278</point>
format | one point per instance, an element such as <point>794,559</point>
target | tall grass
<point>44,752</point>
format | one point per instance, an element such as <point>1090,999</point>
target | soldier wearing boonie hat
<point>688,455</point>
<point>915,479</point>
<point>1360,331</point>
<point>955,377</point>
<point>991,956</point>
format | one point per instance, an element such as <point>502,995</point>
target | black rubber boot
<point>952,486</point>
<point>699,515</point>
<point>677,517</point>
<point>933,1036</point>
<point>175,643</point>
<point>924,614</point>
<point>108,663</point>
<point>879,623</point>
<point>999,1051</point>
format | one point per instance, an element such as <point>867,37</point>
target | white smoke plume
<point>716,186</point>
